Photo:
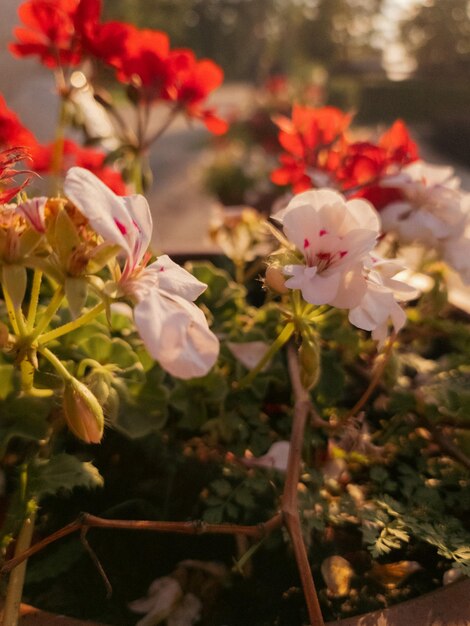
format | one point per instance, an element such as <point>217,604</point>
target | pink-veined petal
<point>107,213</point>
<point>33,211</point>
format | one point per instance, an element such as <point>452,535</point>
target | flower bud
<point>309,360</point>
<point>83,412</point>
<point>275,279</point>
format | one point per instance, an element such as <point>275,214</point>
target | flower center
<point>321,259</point>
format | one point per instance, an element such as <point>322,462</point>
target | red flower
<point>73,154</point>
<point>49,32</point>
<point>12,131</point>
<point>312,138</point>
<point>193,81</point>
<point>141,58</point>
<point>398,145</point>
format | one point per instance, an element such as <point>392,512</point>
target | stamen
<point>322,232</point>
<point>306,243</point>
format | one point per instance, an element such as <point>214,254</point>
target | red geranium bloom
<point>141,58</point>
<point>73,154</point>
<point>312,138</point>
<point>192,82</point>
<point>12,131</point>
<point>398,145</point>
<point>48,32</point>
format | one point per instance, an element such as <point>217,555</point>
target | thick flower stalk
<point>328,256</point>
<point>162,294</point>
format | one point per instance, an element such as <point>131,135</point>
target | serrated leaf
<point>62,472</point>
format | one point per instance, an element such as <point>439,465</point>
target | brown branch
<point>443,441</point>
<point>375,380</point>
<point>290,509</point>
<point>86,521</point>
<point>96,561</point>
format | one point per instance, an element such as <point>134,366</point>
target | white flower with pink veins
<point>173,328</point>
<point>336,238</point>
<point>433,208</point>
<point>333,235</point>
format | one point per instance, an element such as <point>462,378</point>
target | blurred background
<point>382,59</point>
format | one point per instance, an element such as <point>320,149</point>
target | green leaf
<point>24,417</point>
<point>55,561</point>
<point>62,472</point>
<point>221,487</point>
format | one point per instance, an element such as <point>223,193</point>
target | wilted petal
<point>249,353</point>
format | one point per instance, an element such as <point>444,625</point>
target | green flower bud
<point>309,361</point>
<point>83,412</point>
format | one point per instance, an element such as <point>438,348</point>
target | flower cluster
<point>329,257</point>
<point>430,210</point>
<point>419,203</point>
<point>65,33</point>
<point>77,241</point>
<point>173,328</point>
<point>319,153</point>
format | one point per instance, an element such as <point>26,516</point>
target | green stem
<point>281,340</point>
<point>11,311</point>
<point>56,363</point>
<point>59,141</point>
<point>34,300</point>
<point>137,174</point>
<point>27,376</point>
<point>11,609</point>
<point>48,314</point>
<point>73,325</point>
<point>239,272</point>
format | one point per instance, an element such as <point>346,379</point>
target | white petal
<point>123,221</point>
<point>176,334</point>
<point>321,289</point>
<point>364,214</point>
<point>351,289</point>
<point>175,279</point>
<point>139,210</point>
<point>301,226</point>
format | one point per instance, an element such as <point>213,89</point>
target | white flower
<point>333,236</point>
<point>433,207</point>
<point>173,328</point>
<point>378,303</point>
<point>336,239</point>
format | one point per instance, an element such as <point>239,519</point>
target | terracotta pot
<point>448,606</point>
<point>35,617</point>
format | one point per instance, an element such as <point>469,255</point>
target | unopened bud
<point>83,412</point>
<point>275,279</point>
<point>309,361</point>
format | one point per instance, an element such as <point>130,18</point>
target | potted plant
<point>260,410</point>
